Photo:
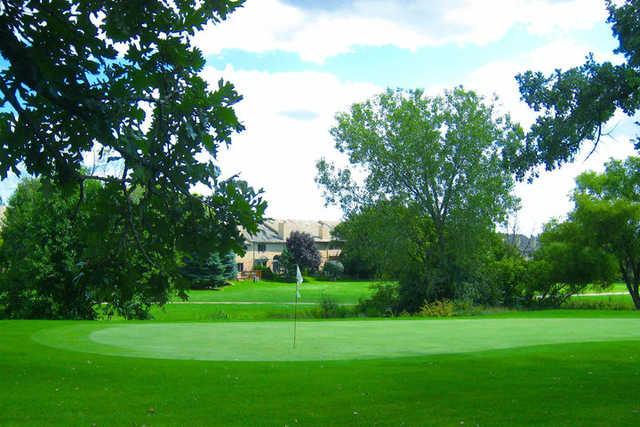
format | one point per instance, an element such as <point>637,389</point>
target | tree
<point>379,240</point>
<point>446,159</point>
<point>120,81</point>
<point>65,259</point>
<point>574,105</point>
<point>41,274</point>
<point>333,269</point>
<point>566,263</point>
<point>607,207</point>
<point>303,250</point>
<point>212,272</point>
<point>287,264</point>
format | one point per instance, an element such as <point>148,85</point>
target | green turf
<point>276,292</point>
<point>330,340</point>
<point>586,384</point>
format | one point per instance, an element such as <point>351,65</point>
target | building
<point>267,244</point>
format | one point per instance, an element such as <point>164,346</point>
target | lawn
<point>512,368</point>
<point>233,364</point>
<point>342,292</point>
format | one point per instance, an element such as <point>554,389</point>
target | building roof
<point>278,230</point>
<point>264,234</point>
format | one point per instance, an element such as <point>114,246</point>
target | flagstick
<point>295,318</point>
<point>295,305</point>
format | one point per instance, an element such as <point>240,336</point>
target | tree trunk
<point>635,295</point>
<point>631,280</point>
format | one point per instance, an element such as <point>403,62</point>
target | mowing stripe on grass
<point>329,340</point>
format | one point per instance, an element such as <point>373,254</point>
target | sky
<point>299,62</point>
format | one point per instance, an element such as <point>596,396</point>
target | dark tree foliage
<point>62,259</point>
<point>333,269</point>
<point>303,250</point>
<point>380,240</point>
<point>574,105</point>
<point>213,272</point>
<point>121,79</point>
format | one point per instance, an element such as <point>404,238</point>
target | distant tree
<point>448,160</point>
<point>213,272</point>
<point>287,264</point>
<point>303,250</point>
<point>575,104</point>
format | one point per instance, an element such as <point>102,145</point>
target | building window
<point>262,247</point>
<point>240,267</point>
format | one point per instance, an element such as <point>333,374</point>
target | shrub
<point>384,302</point>
<point>333,269</point>
<point>439,308</point>
<point>265,272</point>
<point>329,308</point>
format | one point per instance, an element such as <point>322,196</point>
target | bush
<point>333,269</point>
<point>329,308</point>
<point>440,308</point>
<point>265,272</point>
<point>384,302</point>
<point>287,265</point>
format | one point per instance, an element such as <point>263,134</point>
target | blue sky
<point>299,62</point>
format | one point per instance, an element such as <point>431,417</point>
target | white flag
<point>298,281</point>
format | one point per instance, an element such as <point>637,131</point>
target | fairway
<point>330,340</point>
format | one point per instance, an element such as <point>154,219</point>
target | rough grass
<point>343,292</point>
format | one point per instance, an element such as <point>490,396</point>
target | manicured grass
<point>276,292</point>
<point>501,368</point>
<point>329,340</point>
<point>585,384</point>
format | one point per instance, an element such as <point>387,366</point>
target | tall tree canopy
<point>574,105</point>
<point>445,158</point>
<point>121,79</point>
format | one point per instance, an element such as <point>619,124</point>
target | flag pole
<point>295,317</point>
<point>295,305</point>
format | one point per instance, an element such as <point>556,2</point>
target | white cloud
<point>317,33</point>
<point>277,151</point>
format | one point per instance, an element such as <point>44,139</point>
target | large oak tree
<point>575,105</point>
<point>120,79</point>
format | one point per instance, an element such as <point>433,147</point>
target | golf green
<point>329,340</point>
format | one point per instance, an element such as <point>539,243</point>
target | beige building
<point>266,246</point>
